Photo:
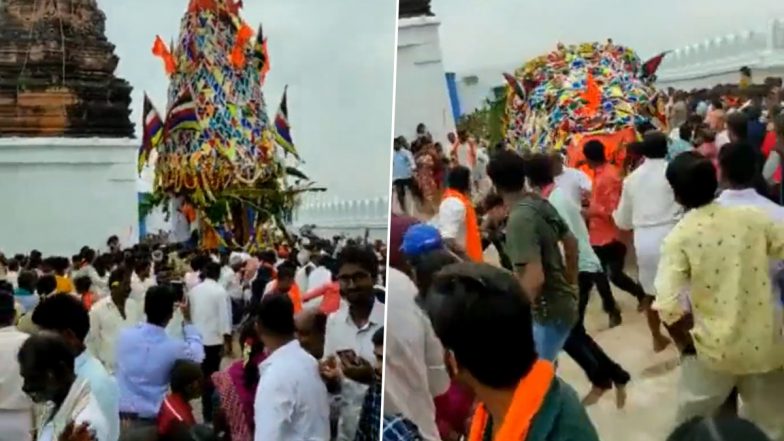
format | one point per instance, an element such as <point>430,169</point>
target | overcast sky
<point>337,57</point>
<point>504,33</point>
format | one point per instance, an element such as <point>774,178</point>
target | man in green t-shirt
<point>542,251</point>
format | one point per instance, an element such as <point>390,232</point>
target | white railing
<point>350,214</point>
<point>761,49</point>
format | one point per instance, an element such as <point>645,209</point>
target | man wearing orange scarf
<point>520,398</point>
<point>456,219</point>
<point>284,284</point>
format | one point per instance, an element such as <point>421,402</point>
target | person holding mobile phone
<point>348,346</point>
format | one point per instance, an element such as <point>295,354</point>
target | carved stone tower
<point>57,72</point>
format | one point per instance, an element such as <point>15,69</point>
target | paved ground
<point>649,413</point>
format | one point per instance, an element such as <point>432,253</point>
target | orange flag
<point>592,96</point>
<point>160,50</point>
<point>238,52</point>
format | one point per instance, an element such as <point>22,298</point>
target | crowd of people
<point>161,342</point>
<point>487,293</point>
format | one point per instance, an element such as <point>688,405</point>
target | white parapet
<point>350,217</point>
<point>421,93</point>
<point>718,60</point>
<point>59,194</point>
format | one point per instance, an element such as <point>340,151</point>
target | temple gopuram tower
<point>421,92</point>
<point>67,153</point>
<point>57,72</point>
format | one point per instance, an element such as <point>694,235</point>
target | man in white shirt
<point>141,281</point>
<point>415,372</point>
<point>291,401</point>
<point>320,275</point>
<point>15,407</point>
<point>451,217</point>
<point>575,184</point>
<point>648,207</point>
<point>210,314</point>
<point>111,315</point>
<point>349,336</point>
<point>47,366</point>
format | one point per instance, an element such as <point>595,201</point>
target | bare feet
<point>620,396</point>
<point>644,303</point>
<point>593,396</point>
<point>660,343</point>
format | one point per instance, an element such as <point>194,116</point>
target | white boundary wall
<point>59,194</point>
<point>718,60</point>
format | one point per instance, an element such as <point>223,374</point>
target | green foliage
<point>487,122</point>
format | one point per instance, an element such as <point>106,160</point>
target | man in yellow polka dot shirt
<point>720,256</point>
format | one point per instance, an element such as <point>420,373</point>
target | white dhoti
<point>647,244</point>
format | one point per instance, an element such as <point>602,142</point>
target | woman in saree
<point>426,162</point>
<point>235,389</point>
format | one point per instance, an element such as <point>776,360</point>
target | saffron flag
<point>592,96</point>
<point>282,127</point>
<point>153,131</point>
<point>651,66</point>
<point>182,115</point>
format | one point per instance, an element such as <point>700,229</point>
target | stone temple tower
<point>57,72</point>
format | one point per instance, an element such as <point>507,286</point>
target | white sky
<point>336,56</point>
<point>505,33</point>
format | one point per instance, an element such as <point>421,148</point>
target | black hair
<point>46,284</point>
<point>183,374</point>
<point>286,271</point>
<point>267,256</point>
<point>738,164</point>
<point>248,334</point>
<point>212,271</point>
<point>685,132</point>
<point>539,170</point>
<point>593,151</point>
<point>47,351</point>
<point>507,171</point>
<point>745,70</point>
<point>87,254</point>
<point>738,124</point>
<point>427,265</point>
<point>459,178</point>
<point>27,280</point>
<point>275,314</point>
<point>362,256</point>
<point>655,145</point>
<point>378,337</point>
<point>717,429</point>
<point>159,305</point>
<point>112,239</point>
<point>693,179</point>
<point>13,265</point>
<point>198,262</point>
<point>82,284</point>
<point>470,305</point>
<point>62,312</point>
<point>141,265</point>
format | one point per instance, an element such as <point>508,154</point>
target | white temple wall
<point>421,93</point>
<point>61,194</point>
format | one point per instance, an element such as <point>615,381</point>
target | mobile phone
<point>347,356</point>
